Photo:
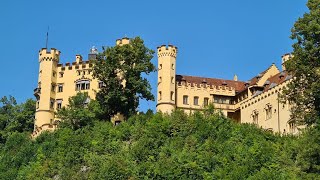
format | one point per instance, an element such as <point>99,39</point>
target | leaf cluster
<point>121,70</point>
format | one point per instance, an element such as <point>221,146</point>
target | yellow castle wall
<point>166,95</point>
<point>51,76</point>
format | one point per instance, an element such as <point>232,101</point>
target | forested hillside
<point>157,146</point>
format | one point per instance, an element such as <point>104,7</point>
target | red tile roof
<point>276,80</point>
<point>237,85</point>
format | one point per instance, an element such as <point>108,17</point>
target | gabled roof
<point>277,79</point>
<point>256,80</point>
<point>237,85</point>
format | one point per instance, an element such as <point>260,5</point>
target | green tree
<point>15,117</point>
<point>304,89</point>
<point>80,112</point>
<point>120,68</point>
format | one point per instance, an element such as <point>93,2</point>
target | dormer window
<point>281,75</point>
<point>204,81</point>
<point>266,83</point>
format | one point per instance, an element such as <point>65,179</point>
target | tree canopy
<point>304,89</point>
<point>15,117</point>
<point>80,111</point>
<point>157,146</point>
<point>120,69</point>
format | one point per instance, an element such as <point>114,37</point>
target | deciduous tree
<point>121,70</point>
<point>304,89</point>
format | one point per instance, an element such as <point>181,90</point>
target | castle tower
<point>166,94</point>
<point>123,41</point>
<point>285,58</point>
<point>45,92</point>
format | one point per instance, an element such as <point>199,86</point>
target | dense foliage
<point>80,111</point>
<point>120,68</point>
<point>15,117</point>
<point>304,89</point>
<point>161,147</point>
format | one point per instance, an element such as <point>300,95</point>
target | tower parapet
<point>284,59</point>
<point>166,98</point>
<point>123,41</point>
<point>52,55</point>
<point>169,50</point>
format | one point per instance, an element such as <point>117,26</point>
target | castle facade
<point>254,101</point>
<point>57,82</point>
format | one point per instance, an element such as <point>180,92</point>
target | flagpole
<point>47,38</point>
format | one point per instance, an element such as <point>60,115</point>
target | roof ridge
<point>210,78</point>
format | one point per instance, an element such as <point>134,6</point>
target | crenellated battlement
<point>213,89</point>
<point>169,50</point>
<point>284,59</point>
<point>52,55</point>
<point>123,41</point>
<point>76,65</point>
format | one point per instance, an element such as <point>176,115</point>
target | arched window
<point>268,110</point>
<point>82,85</point>
<point>255,117</point>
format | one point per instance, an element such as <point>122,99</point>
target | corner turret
<point>123,41</point>
<point>284,59</point>
<point>166,98</point>
<point>46,91</point>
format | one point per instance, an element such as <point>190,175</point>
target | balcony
<point>37,92</point>
<point>224,106</point>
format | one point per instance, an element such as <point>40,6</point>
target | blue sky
<point>215,38</point>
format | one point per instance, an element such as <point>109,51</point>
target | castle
<point>58,82</point>
<point>254,101</point>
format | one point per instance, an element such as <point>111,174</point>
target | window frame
<point>185,99</point>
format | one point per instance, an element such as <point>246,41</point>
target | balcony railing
<point>224,106</point>
<point>37,92</point>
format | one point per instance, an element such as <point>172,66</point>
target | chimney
<point>235,77</point>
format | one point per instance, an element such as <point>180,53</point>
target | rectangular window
<point>196,100</point>
<point>206,102</point>
<point>60,88</point>
<point>292,127</point>
<point>54,74</point>
<point>37,105</point>
<point>51,103</point>
<point>59,103</point>
<point>82,85</point>
<point>160,95</point>
<point>53,87</point>
<point>172,96</point>
<point>222,100</point>
<point>61,74</point>
<point>77,87</point>
<point>255,119</point>
<point>185,99</point>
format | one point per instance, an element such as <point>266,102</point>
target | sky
<point>215,38</point>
